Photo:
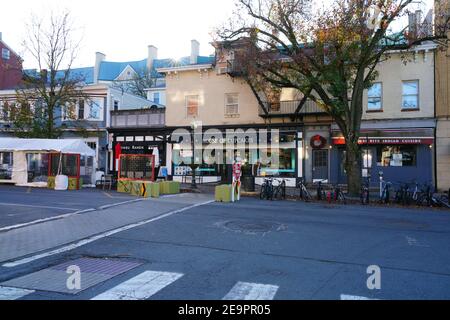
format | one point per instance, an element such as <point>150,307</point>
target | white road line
<point>7,293</point>
<point>251,291</point>
<point>351,297</point>
<point>141,287</point>
<point>118,204</point>
<point>21,225</point>
<point>33,206</point>
<point>97,237</point>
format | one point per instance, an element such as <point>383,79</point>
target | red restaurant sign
<point>429,141</point>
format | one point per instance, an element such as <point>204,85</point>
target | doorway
<point>320,164</point>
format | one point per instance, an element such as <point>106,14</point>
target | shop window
<point>375,97</point>
<point>6,165</point>
<point>231,104</point>
<point>192,103</point>
<point>37,164</point>
<point>287,158</point>
<point>396,156</point>
<point>410,98</point>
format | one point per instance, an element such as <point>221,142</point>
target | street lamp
<point>194,126</point>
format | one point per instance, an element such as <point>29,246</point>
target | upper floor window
<point>231,103</point>
<point>81,109</point>
<point>156,97</point>
<point>116,105</point>
<point>6,54</point>
<point>192,103</point>
<point>375,97</point>
<point>95,109</point>
<point>410,96</point>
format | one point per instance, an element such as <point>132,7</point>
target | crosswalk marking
<point>8,293</point>
<point>141,287</point>
<point>351,297</point>
<point>251,291</point>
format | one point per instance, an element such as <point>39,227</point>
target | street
<point>187,247</point>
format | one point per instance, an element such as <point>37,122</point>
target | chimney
<point>152,55</point>
<point>99,58</point>
<point>0,36</point>
<point>195,51</point>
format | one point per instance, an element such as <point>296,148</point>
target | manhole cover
<point>252,227</point>
<point>54,279</point>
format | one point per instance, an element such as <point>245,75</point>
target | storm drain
<point>92,270</point>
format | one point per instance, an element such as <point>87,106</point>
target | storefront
<point>139,142</point>
<point>255,149</point>
<point>401,155</point>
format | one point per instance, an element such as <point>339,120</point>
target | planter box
<point>144,189</point>
<point>124,186</point>
<point>169,187</point>
<point>223,193</point>
<point>135,188</point>
<point>51,182</point>
<point>75,184</point>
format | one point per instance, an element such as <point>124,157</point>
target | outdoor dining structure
<point>44,162</point>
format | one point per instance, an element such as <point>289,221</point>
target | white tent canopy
<point>20,147</point>
<point>75,146</point>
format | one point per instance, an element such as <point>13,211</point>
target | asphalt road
<point>20,205</point>
<point>286,250</point>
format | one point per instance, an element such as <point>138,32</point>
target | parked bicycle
<point>279,191</point>
<point>304,193</point>
<point>266,190</point>
<point>321,195</point>
<point>430,198</point>
<point>337,195</point>
<point>385,194</point>
<point>403,194</point>
<point>365,193</point>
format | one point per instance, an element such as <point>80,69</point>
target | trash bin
<point>248,183</point>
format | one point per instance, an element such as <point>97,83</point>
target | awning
<point>389,136</point>
<point>71,146</point>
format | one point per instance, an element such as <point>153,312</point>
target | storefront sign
<point>341,141</point>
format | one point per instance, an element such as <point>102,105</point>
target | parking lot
<point>19,205</point>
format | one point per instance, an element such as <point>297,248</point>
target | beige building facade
<point>398,120</point>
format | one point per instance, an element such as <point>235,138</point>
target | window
<point>192,106</point>
<point>6,165</point>
<point>375,97</point>
<point>156,97</point>
<point>95,109</point>
<point>6,54</point>
<point>231,103</point>
<point>410,98</point>
<point>396,156</point>
<point>81,110</point>
<point>116,105</point>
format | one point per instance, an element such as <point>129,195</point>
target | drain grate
<point>54,279</point>
<point>252,227</point>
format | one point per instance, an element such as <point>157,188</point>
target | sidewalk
<point>48,235</point>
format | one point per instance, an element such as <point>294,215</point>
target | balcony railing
<point>142,118</point>
<point>288,108</point>
<point>234,68</point>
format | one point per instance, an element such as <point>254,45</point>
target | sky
<point>122,29</point>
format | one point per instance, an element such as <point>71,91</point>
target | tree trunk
<point>353,167</point>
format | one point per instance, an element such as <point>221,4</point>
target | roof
<point>109,71</point>
<point>76,146</point>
